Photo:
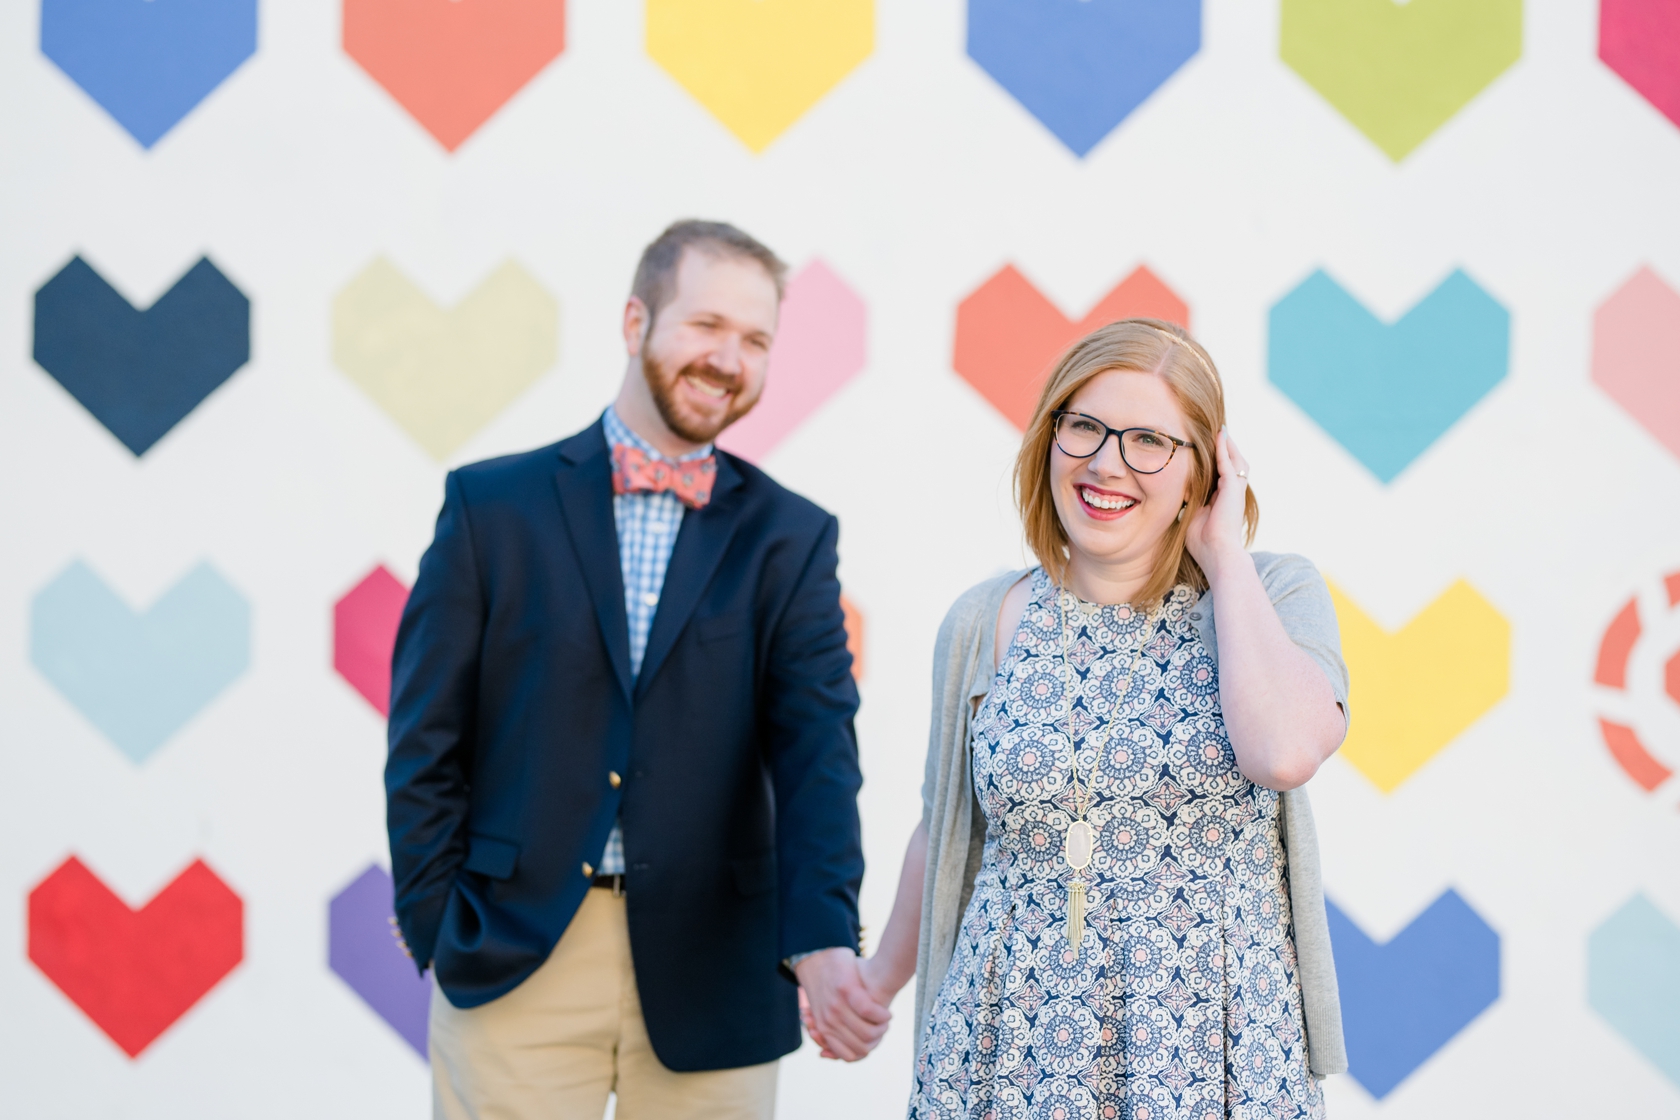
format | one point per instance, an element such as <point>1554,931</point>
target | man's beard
<point>693,429</point>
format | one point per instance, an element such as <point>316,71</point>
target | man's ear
<point>636,324</point>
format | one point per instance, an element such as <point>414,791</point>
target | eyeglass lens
<point>1143,450</point>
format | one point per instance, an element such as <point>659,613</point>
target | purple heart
<point>362,949</point>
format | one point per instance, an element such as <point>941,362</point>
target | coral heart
<point>1009,335</point>
<point>1404,1000</point>
<point>443,375</point>
<point>759,65</point>
<point>1640,40</point>
<point>453,63</point>
<point>1636,354</point>
<point>1633,980</point>
<point>362,950</point>
<point>1387,392</point>
<point>148,62</point>
<point>135,972</point>
<point>141,372</point>
<point>364,633</point>
<point>139,677</point>
<point>1082,66</point>
<point>821,344</point>
<point>1398,72</point>
<point>1416,690</point>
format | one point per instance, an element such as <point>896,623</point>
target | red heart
<point>453,63</point>
<point>134,972</point>
<point>1009,335</point>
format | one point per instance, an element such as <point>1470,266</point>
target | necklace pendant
<point>1076,849</point>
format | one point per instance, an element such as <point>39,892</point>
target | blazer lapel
<point>584,485</point>
<point>701,542</point>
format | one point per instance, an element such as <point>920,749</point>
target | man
<point>623,777</point>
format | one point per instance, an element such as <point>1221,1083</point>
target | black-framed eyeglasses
<point>1144,450</point>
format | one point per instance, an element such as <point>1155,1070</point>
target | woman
<point>1106,930</point>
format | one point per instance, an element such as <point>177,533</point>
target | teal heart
<point>1633,980</point>
<point>139,676</point>
<point>1386,392</point>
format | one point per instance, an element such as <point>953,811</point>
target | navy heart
<point>141,372</point>
<point>1082,66</point>
<point>148,62</point>
<point>1404,1000</point>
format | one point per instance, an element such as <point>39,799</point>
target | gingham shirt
<point>647,532</point>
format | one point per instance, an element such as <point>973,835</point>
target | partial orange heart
<point>1009,335</point>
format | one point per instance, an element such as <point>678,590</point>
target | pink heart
<point>364,633</point>
<point>1636,354</point>
<point>821,343</point>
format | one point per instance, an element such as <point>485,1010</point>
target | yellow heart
<point>758,65</point>
<point>1416,690</point>
<point>443,375</point>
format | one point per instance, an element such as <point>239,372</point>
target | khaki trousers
<point>554,1047</point>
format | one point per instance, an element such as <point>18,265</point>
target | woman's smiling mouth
<point>1102,504</point>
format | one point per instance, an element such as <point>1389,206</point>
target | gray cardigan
<point>964,665</point>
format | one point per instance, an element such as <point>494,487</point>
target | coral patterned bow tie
<point>635,473</point>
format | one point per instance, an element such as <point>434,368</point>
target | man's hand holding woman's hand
<point>843,1013</point>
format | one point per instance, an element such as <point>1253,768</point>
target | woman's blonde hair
<point>1145,346</point>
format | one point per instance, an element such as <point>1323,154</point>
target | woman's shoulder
<point>1282,573</point>
<point>979,604</point>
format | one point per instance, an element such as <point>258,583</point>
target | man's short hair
<point>656,273</point>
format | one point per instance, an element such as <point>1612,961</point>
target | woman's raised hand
<point>1216,531</point>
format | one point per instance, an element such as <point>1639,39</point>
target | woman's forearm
<point>1280,712</point>
<point>894,962</point>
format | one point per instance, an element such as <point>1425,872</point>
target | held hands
<point>1216,532</point>
<point>842,1013</point>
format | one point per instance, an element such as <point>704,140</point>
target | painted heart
<point>1398,72</point>
<point>443,375</point>
<point>148,62</point>
<point>1009,335</point>
<point>1640,40</point>
<point>1405,999</point>
<point>139,676</point>
<point>1082,66</point>
<point>135,972</point>
<point>141,372</point>
<point>364,633</point>
<point>1633,980</point>
<point>821,343</point>
<point>1417,689</point>
<point>1387,392</point>
<point>759,65</point>
<point>362,949</point>
<point>1636,354</point>
<point>453,63</point>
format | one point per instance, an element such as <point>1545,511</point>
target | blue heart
<point>1387,392</point>
<point>1082,66</point>
<point>1405,1000</point>
<point>1633,980</point>
<point>141,372</point>
<point>148,62</point>
<point>139,677</point>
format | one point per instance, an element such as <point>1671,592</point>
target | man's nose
<point>727,357</point>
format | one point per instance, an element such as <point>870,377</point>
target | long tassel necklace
<point>1081,838</point>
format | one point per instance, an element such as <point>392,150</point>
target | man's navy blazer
<point>512,705</point>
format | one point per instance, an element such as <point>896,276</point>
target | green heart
<point>1400,71</point>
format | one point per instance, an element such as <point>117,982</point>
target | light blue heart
<point>1386,393</point>
<point>1633,980</point>
<point>139,677</point>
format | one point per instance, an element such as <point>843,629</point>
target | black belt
<point>614,883</point>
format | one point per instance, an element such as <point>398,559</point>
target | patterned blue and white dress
<point>1183,1002</point>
